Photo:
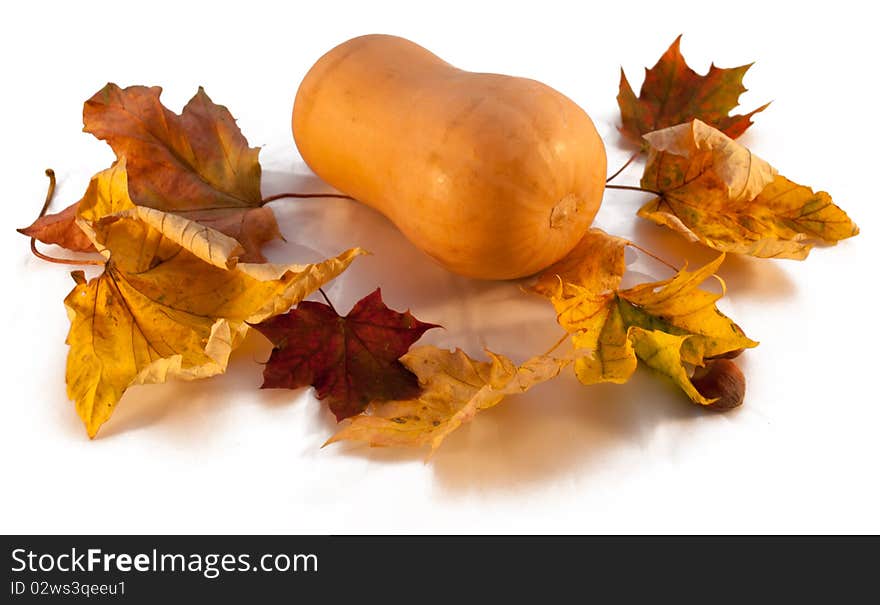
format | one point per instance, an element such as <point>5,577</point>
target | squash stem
<point>631,159</point>
<point>50,193</point>
<point>279,196</point>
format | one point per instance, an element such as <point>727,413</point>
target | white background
<point>222,456</point>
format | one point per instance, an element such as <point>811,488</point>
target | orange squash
<point>494,176</point>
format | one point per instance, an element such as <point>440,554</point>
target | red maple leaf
<point>350,360</point>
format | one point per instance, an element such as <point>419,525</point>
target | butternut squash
<point>494,176</point>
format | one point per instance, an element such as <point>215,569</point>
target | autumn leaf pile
<point>179,222</point>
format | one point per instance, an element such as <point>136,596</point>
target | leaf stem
<point>654,256</point>
<point>279,196</point>
<point>622,168</point>
<point>633,188</point>
<point>329,304</point>
<point>50,193</point>
<point>556,346</point>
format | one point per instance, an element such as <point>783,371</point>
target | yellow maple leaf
<point>173,300</point>
<point>715,191</point>
<point>665,324</point>
<point>454,388</point>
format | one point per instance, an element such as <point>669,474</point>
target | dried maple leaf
<point>350,360</point>
<point>454,388</point>
<point>196,164</point>
<point>715,191</point>
<point>665,324</point>
<point>172,301</point>
<point>673,93</point>
<point>60,229</point>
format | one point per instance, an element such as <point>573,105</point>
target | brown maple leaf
<point>673,93</point>
<point>350,360</point>
<point>196,164</point>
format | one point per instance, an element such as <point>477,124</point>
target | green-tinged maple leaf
<point>668,325</point>
<point>673,93</point>
<point>715,191</point>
